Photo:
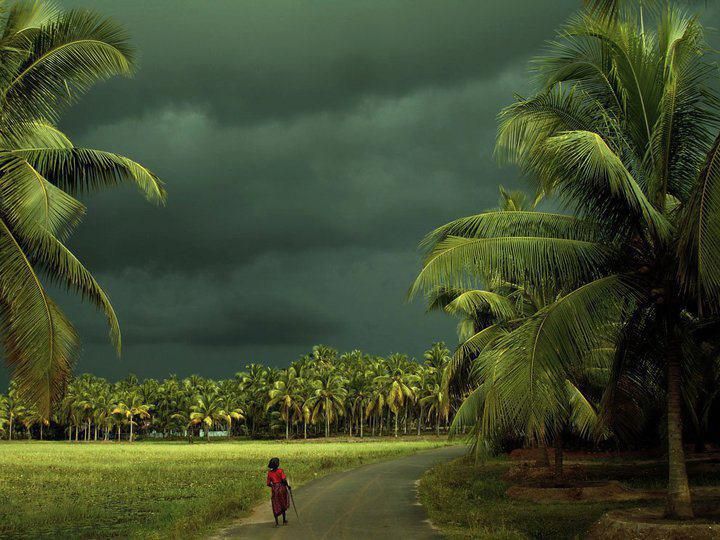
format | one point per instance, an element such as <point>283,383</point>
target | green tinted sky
<point>307,147</point>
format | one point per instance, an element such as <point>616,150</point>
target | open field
<point>466,501</point>
<point>163,489</point>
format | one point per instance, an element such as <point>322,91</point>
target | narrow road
<point>373,501</point>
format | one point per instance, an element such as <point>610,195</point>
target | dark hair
<point>274,463</point>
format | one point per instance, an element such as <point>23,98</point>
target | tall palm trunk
<point>287,427</point>
<point>396,423</point>
<point>41,431</point>
<point>305,429</point>
<point>437,425</point>
<point>131,429</point>
<point>679,501</point>
<point>362,421</point>
<point>327,422</point>
<point>11,428</point>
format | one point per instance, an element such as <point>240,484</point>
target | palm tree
<point>621,133</point>
<point>286,392</point>
<point>49,59</point>
<point>13,408</point>
<point>207,410</point>
<point>254,382</point>
<point>396,384</point>
<point>437,356</point>
<point>132,406</point>
<point>328,399</point>
<point>434,397</point>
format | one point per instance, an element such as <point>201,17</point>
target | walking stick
<point>292,500</point>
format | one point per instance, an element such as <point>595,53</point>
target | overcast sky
<point>307,147</point>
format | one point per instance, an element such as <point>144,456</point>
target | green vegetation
<point>469,501</point>
<point>49,59</point>
<point>155,490</point>
<point>322,393</point>
<point>599,321</point>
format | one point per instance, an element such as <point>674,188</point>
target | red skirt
<point>279,498</point>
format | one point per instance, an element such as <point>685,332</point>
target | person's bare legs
<point>285,521</point>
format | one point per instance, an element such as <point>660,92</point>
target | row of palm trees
<point>600,315</point>
<point>321,393</point>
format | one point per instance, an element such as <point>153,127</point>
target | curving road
<point>373,501</point>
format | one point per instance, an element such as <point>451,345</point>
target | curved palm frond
<point>536,261</point>
<point>80,170</point>
<point>73,51</point>
<point>470,302</point>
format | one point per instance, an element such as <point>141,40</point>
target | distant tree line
<point>321,394</point>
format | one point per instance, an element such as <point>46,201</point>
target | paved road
<point>373,501</point>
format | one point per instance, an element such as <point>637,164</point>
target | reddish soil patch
<point>527,473</point>
<point>580,492</point>
<point>649,524</point>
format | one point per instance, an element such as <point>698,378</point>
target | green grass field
<point>466,501</point>
<point>157,489</point>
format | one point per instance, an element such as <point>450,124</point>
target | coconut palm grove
<point>545,364</point>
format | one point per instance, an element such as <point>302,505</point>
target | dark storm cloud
<point>307,147</point>
<point>254,61</point>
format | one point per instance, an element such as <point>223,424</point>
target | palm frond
<point>536,261</point>
<point>71,53</point>
<point>39,341</point>
<point>470,302</point>
<point>80,170</point>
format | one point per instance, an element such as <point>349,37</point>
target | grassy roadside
<point>466,501</point>
<point>157,490</point>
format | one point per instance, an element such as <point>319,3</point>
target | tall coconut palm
<point>49,59</point>
<point>207,410</point>
<point>254,381</point>
<point>286,392</point>
<point>622,134</point>
<point>397,385</point>
<point>328,398</point>
<point>437,356</point>
<point>13,409</point>
<point>130,407</point>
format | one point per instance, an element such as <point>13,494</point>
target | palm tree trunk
<point>305,429</point>
<point>679,501</point>
<point>327,423</point>
<point>77,433</point>
<point>118,433</point>
<point>131,429</point>
<point>361,425</point>
<point>287,428</point>
<point>437,425</point>
<point>41,431</point>
<point>396,424</point>
<point>10,429</point>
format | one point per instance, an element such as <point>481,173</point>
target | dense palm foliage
<point>626,281</point>
<point>48,59</point>
<point>322,393</point>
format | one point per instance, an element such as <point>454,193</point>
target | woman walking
<point>277,482</point>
